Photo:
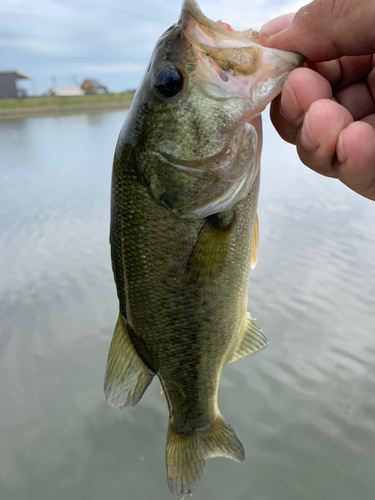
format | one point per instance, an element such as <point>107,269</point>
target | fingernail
<point>340,153</point>
<point>289,105</point>
<point>307,139</point>
<point>276,25</point>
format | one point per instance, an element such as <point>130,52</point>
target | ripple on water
<point>304,408</point>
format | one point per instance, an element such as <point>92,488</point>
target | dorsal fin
<point>252,341</point>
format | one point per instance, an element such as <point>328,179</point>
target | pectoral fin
<point>127,377</point>
<point>252,341</point>
<point>211,248</point>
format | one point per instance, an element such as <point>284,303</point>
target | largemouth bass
<point>184,229</point>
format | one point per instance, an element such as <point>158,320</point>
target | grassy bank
<point>40,102</point>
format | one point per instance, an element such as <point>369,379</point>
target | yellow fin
<point>252,341</point>
<point>186,453</point>
<point>127,377</point>
<point>254,253</point>
<point>211,248</point>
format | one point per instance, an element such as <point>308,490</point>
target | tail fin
<point>186,454</point>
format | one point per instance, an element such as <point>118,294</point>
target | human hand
<point>328,108</point>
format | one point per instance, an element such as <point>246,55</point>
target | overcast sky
<point>65,41</point>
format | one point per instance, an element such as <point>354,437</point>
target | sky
<point>63,42</point>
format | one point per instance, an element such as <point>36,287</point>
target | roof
<point>94,83</point>
<point>19,74</point>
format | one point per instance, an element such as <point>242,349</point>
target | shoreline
<point>68,108</point>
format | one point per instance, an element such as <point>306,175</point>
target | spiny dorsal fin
<point>211,248</point>
<point>254,253</point>
<point>252,341</point>
<point>127,377</point>
<point>186,453</point>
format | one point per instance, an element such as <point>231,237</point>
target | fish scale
<point>191,143</point>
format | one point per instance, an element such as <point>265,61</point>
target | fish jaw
<point>240,173</point>
<point>234,64</point>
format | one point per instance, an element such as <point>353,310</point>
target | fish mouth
<point>218,33</point>
<point>233,63</point>
<point>221,34</point>
<point>218,42</point>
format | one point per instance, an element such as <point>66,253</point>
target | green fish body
<point>184,230</point>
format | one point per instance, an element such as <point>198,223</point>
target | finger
<point>324,30</point>
<point>371,79</point>
<point>357,99</point>
<point>343,71</point>
<point>356,150</point>
<point>370,119</point>
<point>301,89</point>
<point>317,141</point>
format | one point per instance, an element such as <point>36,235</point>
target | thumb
<point>324,30</point>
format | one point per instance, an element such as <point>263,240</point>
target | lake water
<point>304,408</point>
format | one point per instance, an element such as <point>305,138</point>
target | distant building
<point>8,84</point>
<point>93,87</point>
<point>66,91</point>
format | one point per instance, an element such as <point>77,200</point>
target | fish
<point>184,230</point>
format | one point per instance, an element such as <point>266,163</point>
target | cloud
<point>105,37</point>
<point>96,68</point>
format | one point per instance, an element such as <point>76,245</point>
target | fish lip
<point>186,166</point>
<point>191,8</point>
<point>212,167</point>
<point>290,57</point>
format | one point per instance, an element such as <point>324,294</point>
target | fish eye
<point>168,81</point>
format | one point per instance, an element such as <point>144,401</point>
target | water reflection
<point>304,408</point>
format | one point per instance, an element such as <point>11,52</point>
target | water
<point>304,409</point>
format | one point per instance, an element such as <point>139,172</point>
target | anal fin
<point>252,341</point>
<point>127,376</point>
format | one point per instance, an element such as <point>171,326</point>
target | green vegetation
<point>39,102</point>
